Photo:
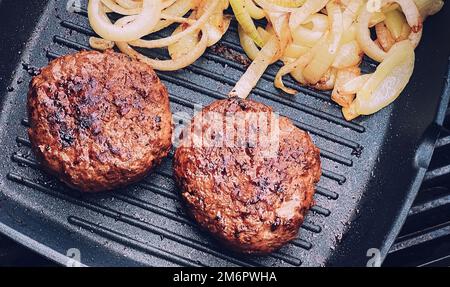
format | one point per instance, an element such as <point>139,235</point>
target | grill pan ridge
<point>372,167</point>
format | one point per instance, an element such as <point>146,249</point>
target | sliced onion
<point>129,4</point>
<point>127,7</point>
<point>337,26</point>
<point>319,64</point>
<point>100,43</point>
<point>351,12</point>
<point>246,22</point>
<point>428,7</point>
<point>168,65</point>
<point>306,37</point>
<point>363,33</point>
<point>390,7</point>
<point>350,113</point>
<point>176,19</point>
<point>254,11</point>
<point>141,26</point>
<point>178,9</point>
<point>343,76</point>
<point>296,67</point>
<point>168,3</point>
<point>288,3</point>
<point>182,61</point>
<point>269,6</point>
<point>247,44</point>
<point>185,44</point>
<point>280,23</point>
<point>344,3</point>
<point>113,6</point>
<point>215,33</point>
<point>388,81</point>
<point>326,53</point>
<point>354,85</point>
<point>406,31</point>
<point>395,21</point>
<point>349,34</point>
<point>384,36</point>
<point>250,47</point>
<point>327,81</point>
<point>348,55</point>
<point>256,69</point>
<point>377,17</point>
<point>266,34</point>
<point>364,40</point>
<point>294,51</point>
<point>321,42</point>
<point>301,14</point>
<point>174,38</point>
<point>217,23</point>
<point>309,37</point>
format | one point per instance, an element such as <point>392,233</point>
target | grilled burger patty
<point>252,200</point>
<point>99,121</point>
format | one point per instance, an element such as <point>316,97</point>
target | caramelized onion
<point>142,24</point>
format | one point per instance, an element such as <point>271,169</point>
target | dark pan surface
<point>372,167</point>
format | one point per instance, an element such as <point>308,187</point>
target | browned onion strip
<point>268,6</point>
<point>114,7</point>
<point>142,24</point>
<point>168,65</point>
<point>256,69</point>
<point>298,64</point>
<point>302,13</point>
<point>178,9</point>
<point>384,37</point>
<point>351,12</point>
<point>172,39</point>
<point>363,33</point>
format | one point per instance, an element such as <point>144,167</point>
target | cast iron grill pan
<point>372,167</point>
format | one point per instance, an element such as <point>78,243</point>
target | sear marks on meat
<point>99,121</point>
<point>251,200</point>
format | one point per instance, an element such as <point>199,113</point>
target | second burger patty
<point>99,121</point>
<point>253,194</point>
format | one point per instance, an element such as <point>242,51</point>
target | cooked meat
<point>99,121</point>
<point>251,194</point>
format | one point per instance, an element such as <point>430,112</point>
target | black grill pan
<point>372,167</point>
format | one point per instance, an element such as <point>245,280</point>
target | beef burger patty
<point>98,121</point>
<point>253,195</point>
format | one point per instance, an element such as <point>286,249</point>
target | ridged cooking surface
<point>425,237</point>
<point>146,223</point>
